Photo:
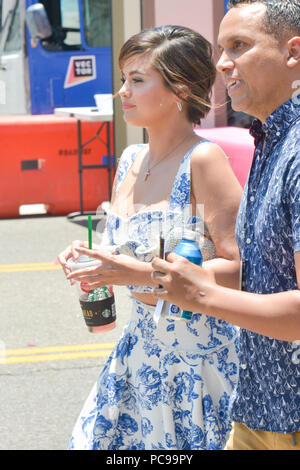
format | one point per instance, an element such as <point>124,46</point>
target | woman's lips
<point>127,106</point>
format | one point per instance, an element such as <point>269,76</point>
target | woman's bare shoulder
<point>207,153</point>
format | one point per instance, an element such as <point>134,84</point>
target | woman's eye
<point>137,80</point>
<point>133,80</point>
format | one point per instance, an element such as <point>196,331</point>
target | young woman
<point>166,385</point>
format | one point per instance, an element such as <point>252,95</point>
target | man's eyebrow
<point>230,39</point>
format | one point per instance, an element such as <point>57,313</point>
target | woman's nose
<point>124,90</point>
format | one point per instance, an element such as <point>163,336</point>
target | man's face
<point>252,62</point>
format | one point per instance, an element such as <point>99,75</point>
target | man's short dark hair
<point>282,18</point>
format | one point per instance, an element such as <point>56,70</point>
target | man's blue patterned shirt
<point>268,233</point>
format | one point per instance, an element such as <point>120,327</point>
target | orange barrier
<point>238,145</point>
<point>39,164</point>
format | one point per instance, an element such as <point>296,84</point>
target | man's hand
<point>183,283</point>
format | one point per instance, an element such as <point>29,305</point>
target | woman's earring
<point>179,106</point>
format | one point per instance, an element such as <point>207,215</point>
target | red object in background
<point>39,164</point>
<point>238,145</point>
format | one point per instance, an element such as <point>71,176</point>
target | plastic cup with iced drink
<point>97,305</point>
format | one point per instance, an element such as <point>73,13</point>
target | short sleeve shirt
<point>268,233</point>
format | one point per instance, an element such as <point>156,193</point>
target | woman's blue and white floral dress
<point>166,385</point>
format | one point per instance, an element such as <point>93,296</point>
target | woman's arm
<point>216,194</point>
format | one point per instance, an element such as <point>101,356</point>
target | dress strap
<point>181,190</point>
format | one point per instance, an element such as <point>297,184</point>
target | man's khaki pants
<point>243,438</point>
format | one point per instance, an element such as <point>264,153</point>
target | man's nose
<point>224,63</point>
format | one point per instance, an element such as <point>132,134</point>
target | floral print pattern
<point>166,385</point>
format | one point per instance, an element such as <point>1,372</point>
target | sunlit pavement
<point>48,359</point>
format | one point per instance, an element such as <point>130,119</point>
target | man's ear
<point>294,52</point>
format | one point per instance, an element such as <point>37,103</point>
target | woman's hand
<point>109,271</point>
<point>183,283</point>
<point>112,270</point>
<point>70,252</point>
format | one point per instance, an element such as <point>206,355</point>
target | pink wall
<point>203,16</point>
<point>195,14</point>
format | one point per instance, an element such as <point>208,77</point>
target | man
<point>259,43</point>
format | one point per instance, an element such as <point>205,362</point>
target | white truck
<point>53,53</point>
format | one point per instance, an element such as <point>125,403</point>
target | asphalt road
<point>48,359</point>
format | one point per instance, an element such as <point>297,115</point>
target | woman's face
<point>146,101</point>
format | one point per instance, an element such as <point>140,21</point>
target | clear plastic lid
<point>82,262</point>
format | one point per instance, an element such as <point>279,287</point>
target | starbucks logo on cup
<point>106,313</point>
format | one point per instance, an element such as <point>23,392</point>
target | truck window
<point>97,22</point>
<point>13,25</point>
<point>64,18</point>
<point>71,21</point>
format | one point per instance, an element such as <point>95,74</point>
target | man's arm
<point>194,288</point>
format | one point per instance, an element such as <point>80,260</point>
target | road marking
<point>45,266</point>
<point>55,353</point>
<point>54,357</point>
<point>65,348</point>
